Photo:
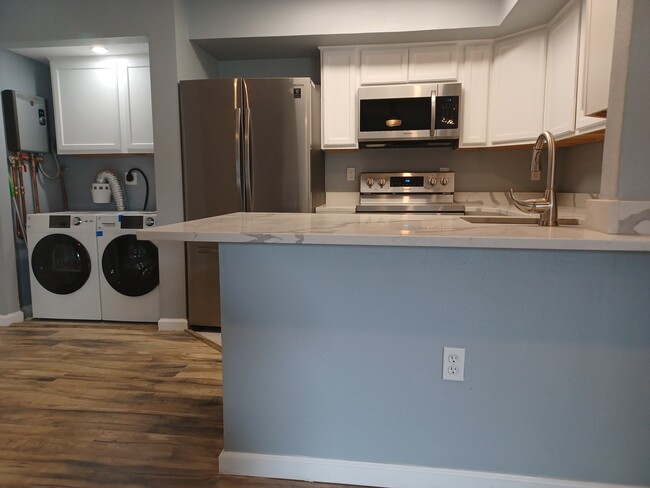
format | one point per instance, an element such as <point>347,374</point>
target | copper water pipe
<point>22,186</point>
<point>37,205</point>
<point>14,161</point>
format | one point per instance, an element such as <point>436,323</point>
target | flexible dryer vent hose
<point>117,190</point>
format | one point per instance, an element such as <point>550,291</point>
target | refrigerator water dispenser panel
<point>25,118</point>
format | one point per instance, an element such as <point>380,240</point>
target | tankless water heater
<point>25,119</point>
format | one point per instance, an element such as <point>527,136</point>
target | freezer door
<point>211,119</point>
<point>280,135</point>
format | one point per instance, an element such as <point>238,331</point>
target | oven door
<point>415,203</point>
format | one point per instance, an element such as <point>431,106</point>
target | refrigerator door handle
<point>238,160</point>
<point>248,174</point>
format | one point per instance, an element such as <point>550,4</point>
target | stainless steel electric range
<point>408,193</point>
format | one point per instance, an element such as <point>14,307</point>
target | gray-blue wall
<point>578,167</point>
<point>336,352</point>
<point>81,171</point>
<point>27,76</point>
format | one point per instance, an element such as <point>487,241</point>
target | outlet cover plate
<point>453,363</point>
<point>134,181</point>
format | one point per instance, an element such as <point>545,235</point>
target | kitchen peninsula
<point>333,332</point>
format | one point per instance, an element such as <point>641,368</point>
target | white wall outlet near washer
<point>453,363</point>
<point>134,178</point>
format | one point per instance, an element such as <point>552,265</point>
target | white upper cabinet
<point>517,88</point>
<point>133,73</point>
<point>562,72</point>
<point>339,83</point>
<point>475,77</point>
<point>423,63</point>
<point>438,62</point>
<point>92,111</point>
<point>86,105</point>
<point>584,123</point>
<point>600,18</point>
<point>383,66</point>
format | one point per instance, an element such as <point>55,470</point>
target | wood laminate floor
<point>95,405</point>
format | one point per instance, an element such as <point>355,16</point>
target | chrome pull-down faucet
<point>547,206</point>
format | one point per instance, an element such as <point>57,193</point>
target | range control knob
<point>433,181</point>
<point>149,221</point>
<point>444,181</point>
<point>381,182</point>
<point>370,182</point>
<point>76,221</point>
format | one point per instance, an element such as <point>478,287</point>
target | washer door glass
<point>131,266</point>
<point>61,264</point>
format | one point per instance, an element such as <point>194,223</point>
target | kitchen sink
<point>512,219</point>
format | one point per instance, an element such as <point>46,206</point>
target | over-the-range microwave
<point>409,115</point>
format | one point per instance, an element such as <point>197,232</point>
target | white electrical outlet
<point>350,174</point>
<point>134,178</point>
<point>453,363</point>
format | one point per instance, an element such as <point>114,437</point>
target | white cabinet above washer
<point>102,105</point>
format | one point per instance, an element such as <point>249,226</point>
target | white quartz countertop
<point>389,230</point>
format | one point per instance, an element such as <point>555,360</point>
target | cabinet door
<point>562,73</point>
<point>433,63</point>
<point>86,105</point>
<point>475,77</point>
<point>135,85</point>
<point>600,20</point>
<point>339,81</point>
<point>380,66</point>
<point>584,123</point>
<point>517,88</point>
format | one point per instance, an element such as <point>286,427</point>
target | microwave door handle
<point>433,114</point>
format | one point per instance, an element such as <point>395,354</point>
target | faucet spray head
<point>535,169</point>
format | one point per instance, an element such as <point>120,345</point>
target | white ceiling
<point>116,47</point>
<point>285,28</point>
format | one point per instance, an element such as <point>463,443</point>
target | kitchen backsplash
<point>486,170</point>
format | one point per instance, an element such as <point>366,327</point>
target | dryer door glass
<point>131,266</point>
<point>61,264</point>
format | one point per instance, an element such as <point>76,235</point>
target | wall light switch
<point>351,174</point>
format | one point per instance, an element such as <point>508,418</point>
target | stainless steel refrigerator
<point>249,145</point>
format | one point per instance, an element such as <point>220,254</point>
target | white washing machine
<point>63,266</point>
<point>128,277</point>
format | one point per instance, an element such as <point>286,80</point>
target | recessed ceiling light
<point>99,50</point>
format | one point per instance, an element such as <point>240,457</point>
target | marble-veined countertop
<point>391,230</point>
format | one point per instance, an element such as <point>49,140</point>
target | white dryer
<point>63,266</point>
<point>128,278</point>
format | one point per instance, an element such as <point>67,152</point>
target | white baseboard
<point>12,318</point>
<point>381,475</point>
<point>172,324</point>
